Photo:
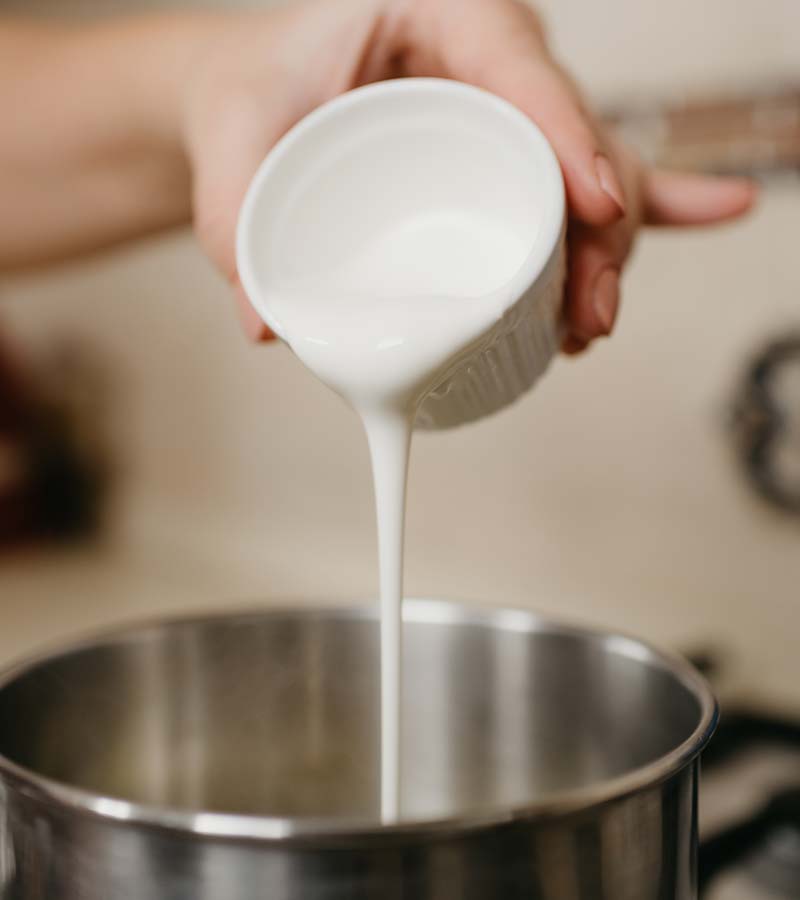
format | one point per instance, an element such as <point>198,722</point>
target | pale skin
<point>118,130</point>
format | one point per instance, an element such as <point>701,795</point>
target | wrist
<point>153,63</point>
<point>156,59</point>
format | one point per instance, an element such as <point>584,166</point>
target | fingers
<point>222,172</point>
<point>598,254</point>
<point>572,346</point>
<point>678,198</point>
<point>592,292</point>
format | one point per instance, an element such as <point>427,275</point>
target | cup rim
<point>543,247</point>
<point>347,830</point>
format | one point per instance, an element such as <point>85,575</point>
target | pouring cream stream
<point>379,331</point>
<point>384,255</point>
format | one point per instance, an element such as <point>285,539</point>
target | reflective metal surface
<point>236,757</point>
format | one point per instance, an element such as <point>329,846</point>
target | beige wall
<point>608,495</point>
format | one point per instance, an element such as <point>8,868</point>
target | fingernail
<point>609,181</point>
<point>573,345</point>
<point>606,298</point>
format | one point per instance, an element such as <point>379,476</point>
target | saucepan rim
<point>270,829</point>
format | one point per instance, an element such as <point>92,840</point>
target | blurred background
<point>653,486</point>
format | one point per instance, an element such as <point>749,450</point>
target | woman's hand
<point>186,107</point>
<point>258,74</point>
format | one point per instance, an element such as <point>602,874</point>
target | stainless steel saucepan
<point>237,757</point>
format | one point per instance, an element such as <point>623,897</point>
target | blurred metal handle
<point>764,427</point>
<point>755,133</point>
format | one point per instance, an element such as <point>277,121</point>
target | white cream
<point>379,330</point>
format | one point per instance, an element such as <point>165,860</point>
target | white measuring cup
<point>377,157</point>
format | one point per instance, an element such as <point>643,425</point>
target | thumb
<point>254,326</point>
<point>222,171</point>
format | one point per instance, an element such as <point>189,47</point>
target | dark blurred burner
<point>742,729</point>
<point>777,864</point>
<point>766,846</point>
<point>758,853</point>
